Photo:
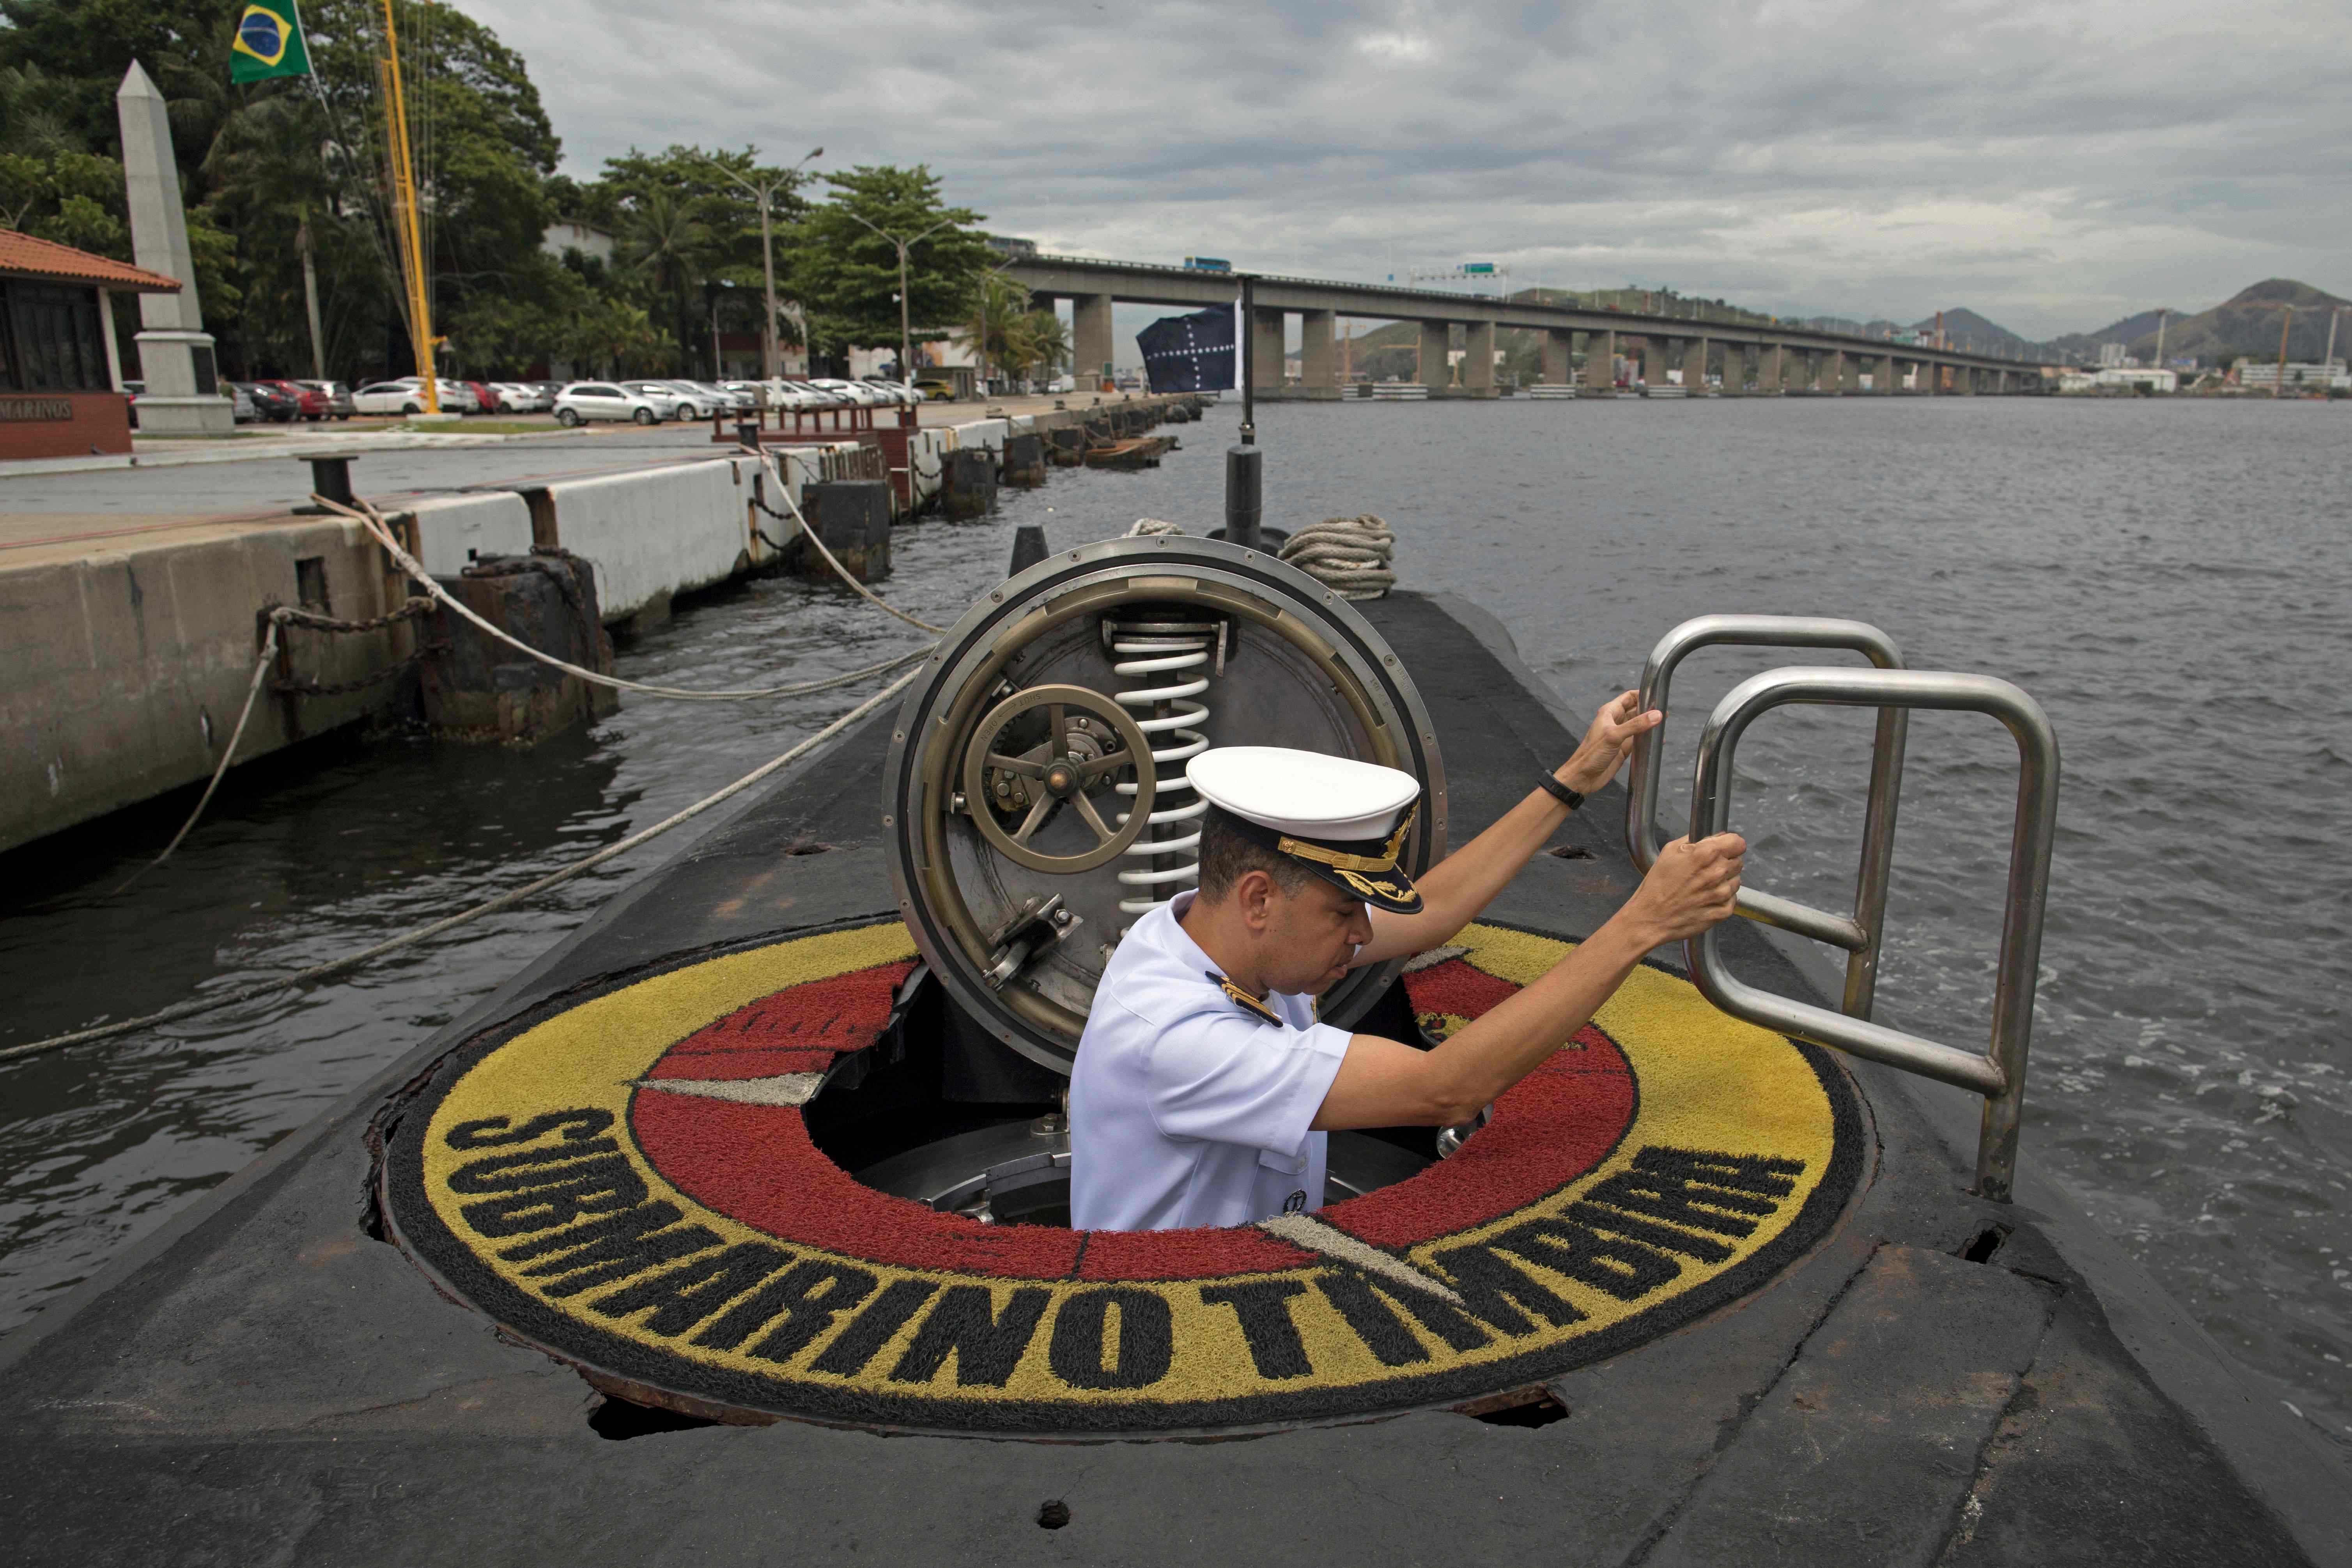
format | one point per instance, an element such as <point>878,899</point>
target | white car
<point>406,395</point>
<point>521,397</point>
<point>896,391</point>
<point>673,404</point>
<point>806,394</point>
<point>585,400</point>
<point>394,398</point>
<point>855,392</point>
<point>739,399</point>
<point>698,401</point>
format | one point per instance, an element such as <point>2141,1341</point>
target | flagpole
<point>403,179</point>
<point>1244,463</point>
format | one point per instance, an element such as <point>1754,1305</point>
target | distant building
<point>2112,356</point>
<point>571,233</point>
<point>2128,375</point>
<point>2301,376</point>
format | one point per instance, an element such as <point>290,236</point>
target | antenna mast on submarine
<point>1245,464</point>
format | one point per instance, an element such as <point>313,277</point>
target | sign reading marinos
<point>630,1185</point>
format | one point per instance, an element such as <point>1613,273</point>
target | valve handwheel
<point>1061,771</point>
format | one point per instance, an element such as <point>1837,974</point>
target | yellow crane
<point>413,262</point>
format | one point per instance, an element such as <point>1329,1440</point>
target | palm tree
<point>270,161</point>
<point>666,244</point>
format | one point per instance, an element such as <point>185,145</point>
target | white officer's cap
<point>1344,820</point>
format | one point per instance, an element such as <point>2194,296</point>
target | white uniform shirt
<point>1187,1108</point>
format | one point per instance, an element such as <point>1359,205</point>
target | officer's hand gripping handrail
<point>1999,1073</point>
<point>1857,933</point>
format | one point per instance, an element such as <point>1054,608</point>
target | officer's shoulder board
<point>1247,1003</point>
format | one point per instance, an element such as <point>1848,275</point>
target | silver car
<point>585,400</point>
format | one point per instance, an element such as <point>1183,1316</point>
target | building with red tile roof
<point>61,392</point>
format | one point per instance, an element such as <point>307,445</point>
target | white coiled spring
<point>1179,719</point>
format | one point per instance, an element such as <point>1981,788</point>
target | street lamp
<point>765,192</point>
<point>906,332</point>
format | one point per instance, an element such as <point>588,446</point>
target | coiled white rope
<point>1152,528</point>
<point>1353,554</point>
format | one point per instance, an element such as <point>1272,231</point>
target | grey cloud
<point>2043,163</point>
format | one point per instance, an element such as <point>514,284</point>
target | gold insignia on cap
<point>1247,1001</point>
<point>1342,862</point>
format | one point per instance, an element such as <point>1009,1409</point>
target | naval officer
<point>1204,1088</point>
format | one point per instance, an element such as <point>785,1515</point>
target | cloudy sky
<point>2051,165</point>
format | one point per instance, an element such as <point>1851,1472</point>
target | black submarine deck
<point>1940,1379</point>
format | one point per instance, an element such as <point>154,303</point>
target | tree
<point>847,273</point>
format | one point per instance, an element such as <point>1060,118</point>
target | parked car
<point>522,397</point>
<point>937,391</point>
<point>585,400</point>
<point>338,394</point>
<point>697,401</point>
<point>855,392</point>
<point>755,394</point>
<point>240,402</point>
<point>743,402</point>
<point>309,402</point>
<point>897,391</point>
<point>270,405</point>
<point>406,395</point>
<point>672,403</point>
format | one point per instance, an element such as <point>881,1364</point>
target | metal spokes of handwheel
<point>1089,741</point>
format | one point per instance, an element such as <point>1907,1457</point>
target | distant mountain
<point>1971,333</point>
<point>2248,324</point>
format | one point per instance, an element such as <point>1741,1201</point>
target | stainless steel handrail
<point>1999,1073</point>
<point>1858,934</point>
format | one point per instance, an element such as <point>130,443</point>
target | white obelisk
<point>175,353</point>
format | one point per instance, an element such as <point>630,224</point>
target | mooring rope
<point>369,518</point>
<point>1153,528</point>
<point>278,618</point>
<point>318,972</point>
<point>374,521</point>
<point>840,570</point>
<point>1353,554</point>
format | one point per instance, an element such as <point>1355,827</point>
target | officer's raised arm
<point>1457,887</point>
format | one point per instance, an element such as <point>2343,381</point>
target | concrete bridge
<point>1753,359</point>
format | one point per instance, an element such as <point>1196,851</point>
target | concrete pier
<point>1319,357</point>
<point>1265,343</point>
<point>1557,347</point>
<point>1767,368</point>
<point>1092,338</point>
<point>1695,366</point>
<point>1600,364</point>
<point>1478,359</point>
<point>1436,343</point>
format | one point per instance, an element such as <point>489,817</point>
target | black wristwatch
<point>1560,792</point>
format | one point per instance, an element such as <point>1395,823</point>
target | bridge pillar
<point>1767,366</point>
<point>1600,364</point>
<point>1478,359</point>
<point>1887,376</point>
<point>1091,338</point>
<point>1735,370</point>
<point>1652,359</point>
<point>1964,380</point>
<point>1318,353</point>
<point>1265,332</point>
<point>1695,366</point>
<point>1436,342</point>
<point>1924,376</point>
<point>1556,346</point>
<point>1851,381</point>
<point>1831,380</point>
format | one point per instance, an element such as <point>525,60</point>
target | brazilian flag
<point>268,43</point>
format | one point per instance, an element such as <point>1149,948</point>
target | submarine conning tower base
<point>1918,1376</point>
